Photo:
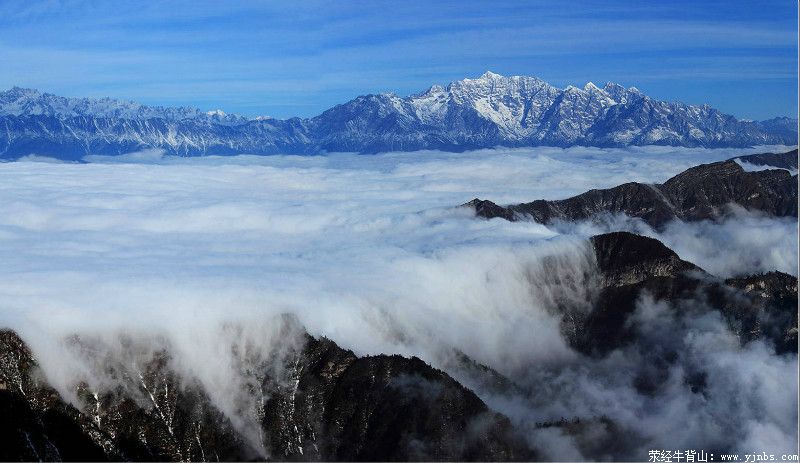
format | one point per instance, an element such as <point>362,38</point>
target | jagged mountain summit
<point>488,111</point>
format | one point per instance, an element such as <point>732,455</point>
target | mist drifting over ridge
<point>371,253</point>
<point>399,231</point>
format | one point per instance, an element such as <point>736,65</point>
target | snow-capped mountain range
<point>491,110</point>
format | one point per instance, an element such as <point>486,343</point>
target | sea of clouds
<point>371,252</point>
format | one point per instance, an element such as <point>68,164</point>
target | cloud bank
<point>370,252</point>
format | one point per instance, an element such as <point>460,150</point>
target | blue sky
<point>299,58</point>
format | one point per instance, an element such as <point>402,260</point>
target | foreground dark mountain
<point>316,401</point>
<point>489,111</point>
<point>701,192</point>
<point>331,406</point>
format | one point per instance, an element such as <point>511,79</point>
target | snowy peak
<point>29,102</point>
<point>510,103</point>
<point>621,94</point>
<point>17,93</point>
<point>433,90</point>
<point>493,109</point>
<point>518,105</point>
<point>487,111</point>
<point>490,76</point>
<point>591,87</point>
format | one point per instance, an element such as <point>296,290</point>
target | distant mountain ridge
<point>491,110</point>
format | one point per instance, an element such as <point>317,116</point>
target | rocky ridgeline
<point>330,405</point>
<point>699,193</point>
<point>489,111</point>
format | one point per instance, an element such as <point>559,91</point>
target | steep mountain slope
<point>316,401</point>
<point>74,137</point>
<point>491,110</point>
<point>701,192</point>
<point>320,402</point>
<point>754,307</point>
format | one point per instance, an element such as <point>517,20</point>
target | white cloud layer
<point>366,250</point>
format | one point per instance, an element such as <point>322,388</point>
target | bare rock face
<point>177,422</point>
<point>699,193</point>
<point>635,199</point>
<point>776,294</point>
<point>35,424</point>
<point>490,210</point>
<point>327,405</point>
<point>385,408</point>
<point>632,266</point>
<point>627,259</point>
